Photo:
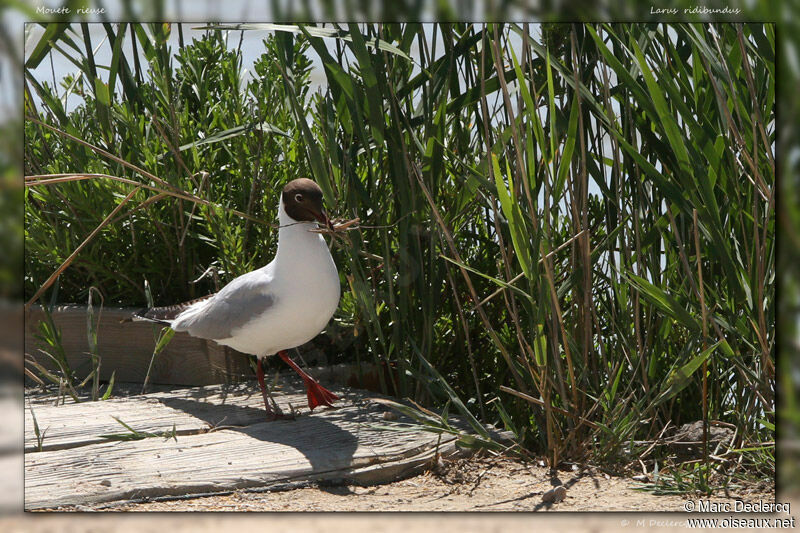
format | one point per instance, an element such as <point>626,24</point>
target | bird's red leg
<point>272,414</point>
<point>317,394</point>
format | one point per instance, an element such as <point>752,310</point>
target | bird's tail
<point>142,316</point>
<point>163,315</point>
<point>146,315</point>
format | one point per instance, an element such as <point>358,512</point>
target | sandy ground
<point>464,484</point>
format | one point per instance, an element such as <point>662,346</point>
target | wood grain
<point>192,410</point>
<point>349,443</point>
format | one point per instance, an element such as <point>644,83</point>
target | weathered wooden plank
<point>344,443</point>
<point>189,410</point>
<point>126,349</point>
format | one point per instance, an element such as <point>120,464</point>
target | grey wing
<point>239,302</point>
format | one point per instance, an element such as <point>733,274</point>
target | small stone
<point>555,494</point>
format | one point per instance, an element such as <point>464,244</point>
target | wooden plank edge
<point>373,474</point>
<point>296,479</point>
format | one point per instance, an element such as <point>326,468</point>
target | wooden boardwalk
<point>222,443</point>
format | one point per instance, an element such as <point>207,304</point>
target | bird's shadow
<point>325,444</point>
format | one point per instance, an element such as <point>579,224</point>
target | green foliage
<point>170,127</point>
<point>133,434</point>
<point>585,218</point>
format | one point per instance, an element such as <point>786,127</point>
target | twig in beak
<point>337,229</point>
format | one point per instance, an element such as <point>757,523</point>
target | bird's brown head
<point>302,200</point>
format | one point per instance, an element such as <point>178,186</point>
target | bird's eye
<point>298,197</point>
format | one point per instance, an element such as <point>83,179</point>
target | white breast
<point>305,285</point>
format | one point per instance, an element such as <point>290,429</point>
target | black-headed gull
<point>277,307</point>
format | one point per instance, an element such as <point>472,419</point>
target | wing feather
<point>242,300</point>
